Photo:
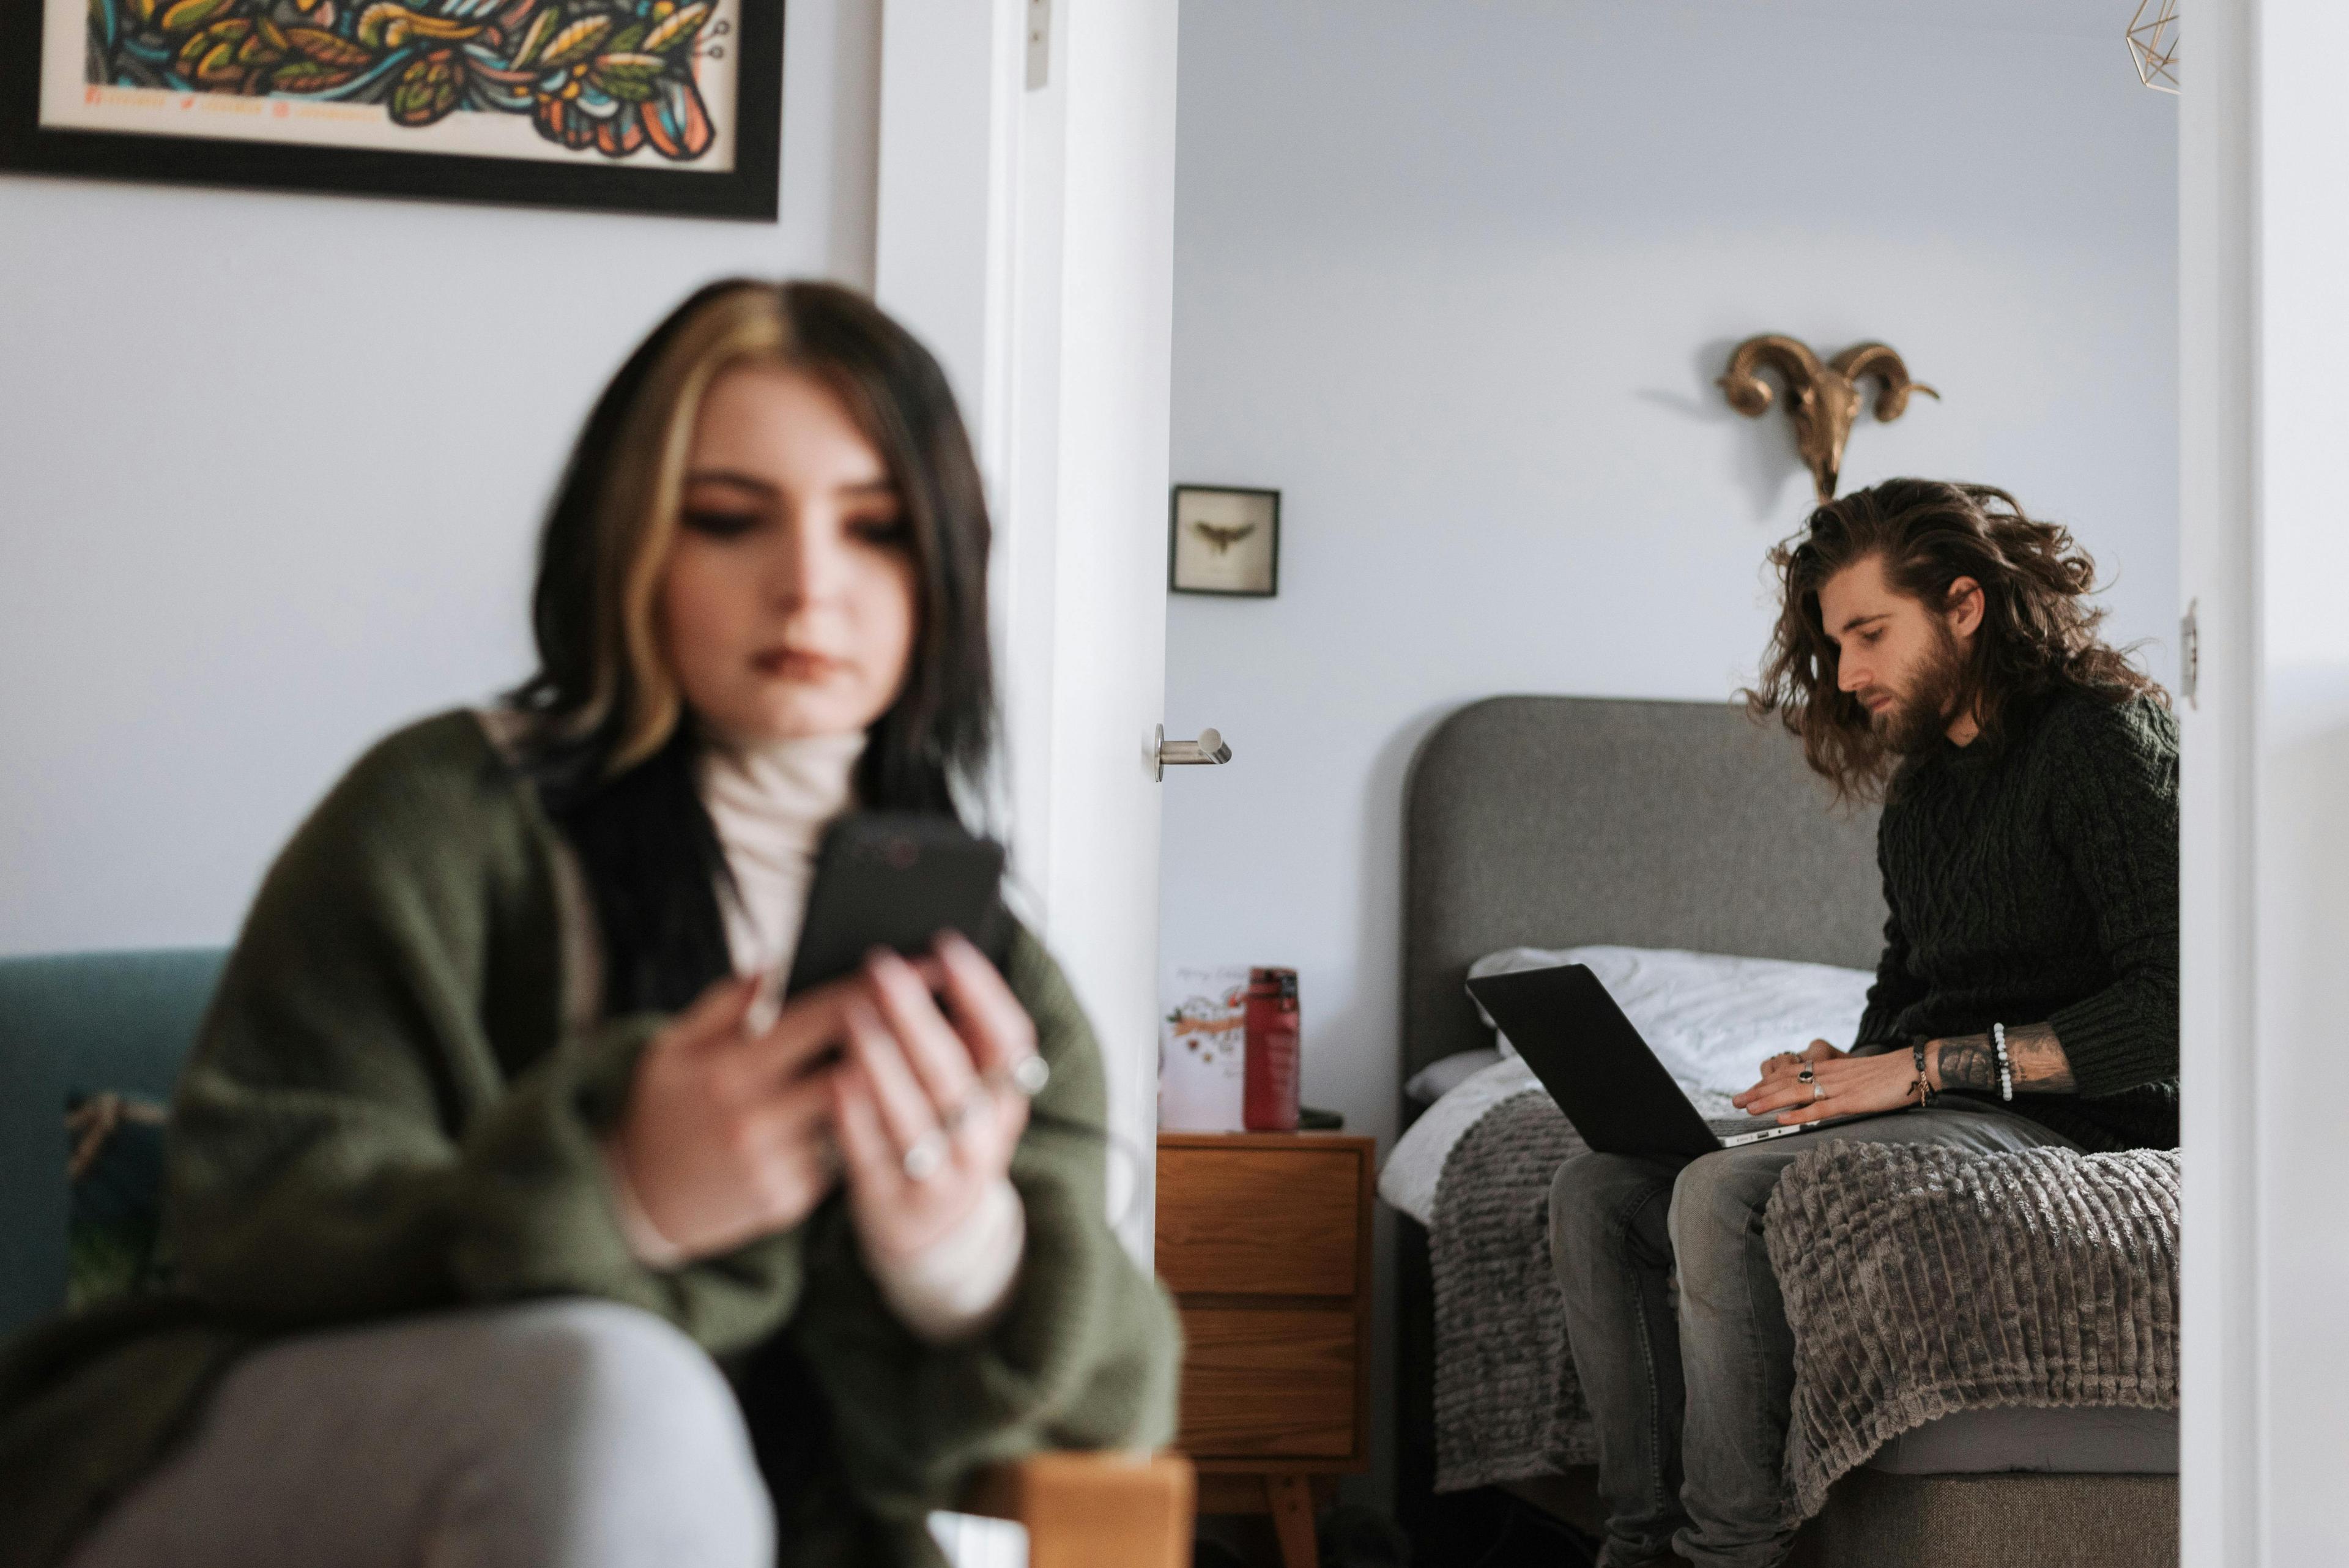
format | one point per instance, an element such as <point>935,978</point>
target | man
<point>1936,648</point>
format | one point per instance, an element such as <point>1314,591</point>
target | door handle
<point>1208,750</point>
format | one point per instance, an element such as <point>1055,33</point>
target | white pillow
<point>1711,1018</point>
<point>1437,1079</point>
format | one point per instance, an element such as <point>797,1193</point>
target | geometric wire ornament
<point>2153,44</point>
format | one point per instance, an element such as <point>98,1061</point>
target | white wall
<point>270,470</point>
<point>1456,279</point>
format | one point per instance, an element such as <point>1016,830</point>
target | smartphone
<point>896,880</point>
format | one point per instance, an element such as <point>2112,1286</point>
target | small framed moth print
<point>1225,541</point>
<point>654,106</point>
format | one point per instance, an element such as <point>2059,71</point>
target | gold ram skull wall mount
<point>1823,400</point>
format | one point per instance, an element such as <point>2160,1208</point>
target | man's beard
<point>1919,717</point>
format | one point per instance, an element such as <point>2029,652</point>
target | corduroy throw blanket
<point>1945,1280</point>
<point>1920,1280</point>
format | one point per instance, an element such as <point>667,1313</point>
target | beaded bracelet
<point>2006,1067</point>
<point>1923,1087</point>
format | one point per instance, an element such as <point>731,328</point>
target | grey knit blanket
<point>1507,1403</point>
<point>1922,1281</point>
<point>1945,1280</point>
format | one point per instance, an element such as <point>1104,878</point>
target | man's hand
<point>1786,1063</point>
<point>1838,1084</point>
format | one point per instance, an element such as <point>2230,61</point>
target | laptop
<point>1604,1077</point>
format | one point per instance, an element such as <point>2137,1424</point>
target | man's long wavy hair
<point>2038,631</point>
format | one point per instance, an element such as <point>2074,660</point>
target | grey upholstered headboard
<point>1553,821</point>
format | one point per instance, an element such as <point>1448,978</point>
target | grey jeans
<point>568,1434</point>
<point>1692,1408</point>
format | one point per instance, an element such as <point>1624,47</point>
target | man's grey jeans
<point>1692,1409</point>
<point>568,1434</point>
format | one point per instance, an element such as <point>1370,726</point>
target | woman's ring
<point>926,1155</point>
<point>1806,1076</point>
<point>1026,1077</point>
<point>1818,1093</point>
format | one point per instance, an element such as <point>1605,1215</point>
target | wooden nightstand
<point>1265,1240</point>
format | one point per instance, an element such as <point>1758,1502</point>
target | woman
<point>496,1134</point>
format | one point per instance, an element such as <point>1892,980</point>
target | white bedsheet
<point>1709,1018</point>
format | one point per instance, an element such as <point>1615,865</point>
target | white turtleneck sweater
<point>770,803</point>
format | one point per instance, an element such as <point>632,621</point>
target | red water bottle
<point>1271,1104</point>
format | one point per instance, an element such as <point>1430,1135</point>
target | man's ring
<point>926,1155</point>
<point>1818,1093</point>
<point>1805,1076</point>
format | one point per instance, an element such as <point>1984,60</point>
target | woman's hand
<point>924,1106</point>
<point>725,1139</point>
<point>1823,1082</point>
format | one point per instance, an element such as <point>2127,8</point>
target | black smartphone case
<point>896,880</point>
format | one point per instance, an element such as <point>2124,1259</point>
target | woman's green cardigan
<point>387,1112</point>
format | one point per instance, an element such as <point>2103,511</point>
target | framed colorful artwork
<point>1224,541</point>
<point>653,106</point>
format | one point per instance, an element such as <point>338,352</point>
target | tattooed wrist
<point>1966,1062</point>
<point>2033,1055</point>
<point>2038,1059</point>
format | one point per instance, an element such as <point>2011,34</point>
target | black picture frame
<point>1174,582</point>
<point>750,191</point>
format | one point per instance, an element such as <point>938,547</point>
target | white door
<point>2264,161</point>
<point>1026,218</point>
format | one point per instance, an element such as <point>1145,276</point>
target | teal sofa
<point>78,1022</point>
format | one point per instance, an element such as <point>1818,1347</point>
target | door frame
<point>2217,577</point>
<point>2264,858</point>
<point>1024,229</point>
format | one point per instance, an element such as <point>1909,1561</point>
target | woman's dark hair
<point>2038,631</point>
<point>611,745</point>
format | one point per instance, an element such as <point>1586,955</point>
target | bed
<point>1558,822</point>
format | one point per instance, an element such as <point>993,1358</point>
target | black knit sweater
<point>2035,881</point>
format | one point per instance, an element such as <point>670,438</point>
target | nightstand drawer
<point>1269,1383</point>
<point>1242,1221</point>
